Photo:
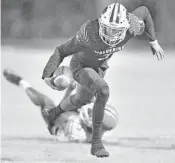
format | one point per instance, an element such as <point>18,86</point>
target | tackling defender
<point>74,125</point>
<point>91,48</point>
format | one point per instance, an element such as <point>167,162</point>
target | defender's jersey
<point>91,51</point>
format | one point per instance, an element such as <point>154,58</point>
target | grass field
<point>142,90</point>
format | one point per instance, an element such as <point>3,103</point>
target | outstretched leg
<point>35,96</point>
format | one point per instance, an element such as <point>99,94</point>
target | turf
<point>142,90</point>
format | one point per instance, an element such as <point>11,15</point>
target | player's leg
<point>76,100</point>
<point>110,120</point>
<point>68,103</point>
<point>70,89</point>
<point>81,97</point>
<point>93,83</point>
<point>35,96</point>
<point>12,77</point>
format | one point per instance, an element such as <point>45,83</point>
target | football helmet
<point>113,24</point>
<point>85,114</point>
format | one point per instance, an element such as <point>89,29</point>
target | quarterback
<point>91,48</point>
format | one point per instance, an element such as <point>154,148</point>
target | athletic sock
<point>98,114</point>
<point>24,84</point>
<point>96,134</point>
<point>97,118</point>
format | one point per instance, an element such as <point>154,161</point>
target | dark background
<point>53,19</point>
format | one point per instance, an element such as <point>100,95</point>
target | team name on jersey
<point>104,54</point>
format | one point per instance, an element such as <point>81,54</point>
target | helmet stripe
<point>112,14</point>
<point>117,19</point>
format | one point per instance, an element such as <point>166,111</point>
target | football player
<point>91,48</point>
<point>75,125</point>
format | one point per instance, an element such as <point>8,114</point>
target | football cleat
<point>98,150</point>
<point>12,77</point>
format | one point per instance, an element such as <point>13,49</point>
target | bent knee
<point>103,91</point>
<point>79,102</point>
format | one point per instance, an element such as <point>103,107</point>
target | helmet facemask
<point>113,31</point>
<point>86,114</point>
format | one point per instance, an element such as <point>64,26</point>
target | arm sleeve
<point>141,16</point>
<point>73,45</point>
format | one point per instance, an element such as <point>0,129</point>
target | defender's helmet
<point>86,114</point>
<point>110,119</point>
<point>113,24</point>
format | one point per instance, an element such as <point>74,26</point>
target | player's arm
<point>146,24</point>
<point>66,49</point>
<point>73,45</point>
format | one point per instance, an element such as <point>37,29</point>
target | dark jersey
<point>89,47</point>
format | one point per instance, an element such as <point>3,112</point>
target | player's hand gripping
<point>157,50</point>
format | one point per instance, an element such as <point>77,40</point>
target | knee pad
<point>103,92</point>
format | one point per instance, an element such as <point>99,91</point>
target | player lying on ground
<point>91,48</point>
<point>75,125</point>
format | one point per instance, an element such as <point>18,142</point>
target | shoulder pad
<point>137,25</point>
<point>82,35</point>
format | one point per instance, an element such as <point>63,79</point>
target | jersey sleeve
<point>82,34</point>
<point>73,45</point>
<point>140,21</point>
